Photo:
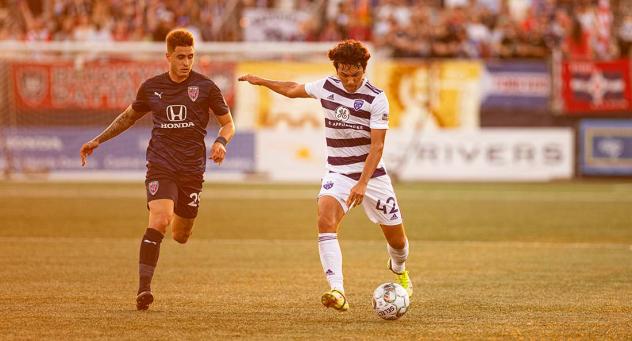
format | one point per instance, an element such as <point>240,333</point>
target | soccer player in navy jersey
<point>181,102</point>
<point>356,120</point>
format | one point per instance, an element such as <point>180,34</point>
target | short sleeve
<point>315,88</point>
<point>141,104</point>
<point>379,112</point>
<point>216,101</point>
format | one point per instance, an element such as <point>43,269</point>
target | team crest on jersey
<point>357,104</point>
<point>193,92</point>
<point>384,117</point>
<point>328,185</point>
<point>342,113</point>
<point>153,187</point>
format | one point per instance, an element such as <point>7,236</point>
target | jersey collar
<point>364,81</point>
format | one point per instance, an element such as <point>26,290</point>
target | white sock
<point>331,259</point>
<point>398,257</point>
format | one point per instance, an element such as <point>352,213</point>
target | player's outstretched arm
<point>121,123</point>
<point>287,89</point>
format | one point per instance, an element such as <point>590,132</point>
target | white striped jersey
<point>349,118</point>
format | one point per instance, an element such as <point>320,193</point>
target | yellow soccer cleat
<point>335,299</point>
<point>403,279</point>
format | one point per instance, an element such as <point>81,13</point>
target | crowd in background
<point>581,29</point>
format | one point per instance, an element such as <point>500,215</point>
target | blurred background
<point>479,90</point>
<point>510,140</point>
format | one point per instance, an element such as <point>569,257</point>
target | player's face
<point>351,76</point>
<point>181,61</point>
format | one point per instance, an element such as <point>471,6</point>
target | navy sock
<point>149,251</point>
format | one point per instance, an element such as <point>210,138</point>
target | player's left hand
<point>356,195</point>
<point>252,79</point>
<point>218,152</point>
<point>86,150</point>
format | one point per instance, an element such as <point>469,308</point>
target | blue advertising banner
<point>56,150</point>
<point>516,85</point>
<point>605,147</point>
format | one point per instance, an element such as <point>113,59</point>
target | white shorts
<point>380,203</point>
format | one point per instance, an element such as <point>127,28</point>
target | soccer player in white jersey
<point>356,120</point>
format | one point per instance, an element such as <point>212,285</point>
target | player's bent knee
<point>182,228</point>
<point>181,236</point>
<point>326,224</point>
<point>161,221</point>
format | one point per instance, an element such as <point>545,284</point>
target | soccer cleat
<point>335,299</point>
<point>143,300</point>
<point>403,279</point>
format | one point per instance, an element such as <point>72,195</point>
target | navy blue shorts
<point>185,194</point>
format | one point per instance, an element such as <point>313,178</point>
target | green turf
<point>535,261</point>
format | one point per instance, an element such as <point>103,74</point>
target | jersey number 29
<point>196,199</point>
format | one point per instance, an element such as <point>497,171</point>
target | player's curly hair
<point>350,52</point>
<point>178,37</point>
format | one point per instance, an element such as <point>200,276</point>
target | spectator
<point>38,30</point>
<point>101,34</point>
<point>561,24</point>
<point>138,33</point>
<point>479,36</point>
<point>603,42</point>
<point>85,30</point>
<point>36,27</point>
<point>342,19</point>
<point>387,11</point>
<point>534,43</point>
<point>399,28</point>
<point>10,31</point>
<point>330,32</point>
<point>625,36</point>
<point>510,43</point>
<point>120,31</point>
<point>445,42</point>
<point>67,29</point>
<point>577,44</point>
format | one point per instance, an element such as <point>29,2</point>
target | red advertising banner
<point>596,87</point>
<point>99,85</point>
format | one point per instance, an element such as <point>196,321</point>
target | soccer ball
<point>390,301</point>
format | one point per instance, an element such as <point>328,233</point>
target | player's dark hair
<point>350,52</point>
<point>178,37</point>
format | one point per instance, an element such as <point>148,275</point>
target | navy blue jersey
<point>180,114</point>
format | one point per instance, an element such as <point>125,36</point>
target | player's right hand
<point>252,79</point>
<point>218,152</point>
<point>87,150</point>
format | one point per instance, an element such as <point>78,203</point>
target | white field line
<point>617,196</point>
<point>419,243</point>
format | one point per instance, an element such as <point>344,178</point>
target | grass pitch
<point>488,261</point>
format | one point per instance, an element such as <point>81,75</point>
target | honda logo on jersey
<point>176,113</point>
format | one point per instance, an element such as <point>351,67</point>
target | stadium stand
<point>398,28</point>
